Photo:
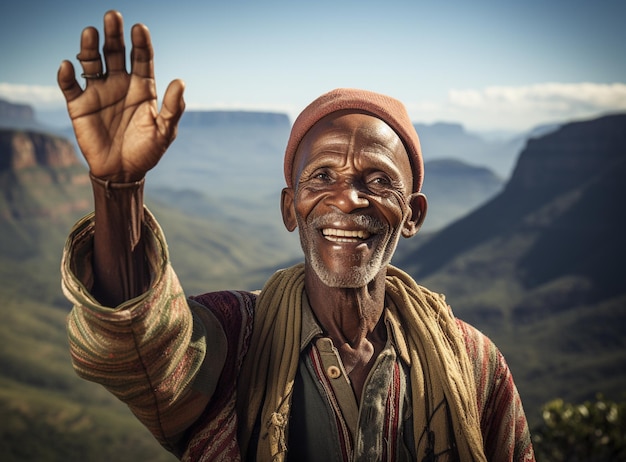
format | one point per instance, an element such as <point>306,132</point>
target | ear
<point>418,205</point>
<point>287,209</point>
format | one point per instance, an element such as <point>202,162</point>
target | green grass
<point>40,425</point>
<point>49,413</point>
<point>562,349</point>
<point>558,340</point>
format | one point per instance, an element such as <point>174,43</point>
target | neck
<point>352,318</point>
<point>347,315</point>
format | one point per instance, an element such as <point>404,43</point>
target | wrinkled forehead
<point>384,107</point>
<point>368,128</point>
<point>340,130</point>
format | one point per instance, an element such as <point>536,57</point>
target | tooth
<point>344,235</point>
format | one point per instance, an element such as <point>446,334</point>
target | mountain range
<point>230,164</point>
<point>539,267</point>
<point>533,262</point>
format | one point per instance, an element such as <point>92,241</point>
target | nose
<point>347,197</point>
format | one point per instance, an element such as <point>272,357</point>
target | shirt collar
<point>311,329</point>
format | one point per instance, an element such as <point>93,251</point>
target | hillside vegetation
<point>537,268</point>
<point>48,413</point>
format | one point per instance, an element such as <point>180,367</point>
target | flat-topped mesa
<point>24,149</point>
<point>16,112</point>
<point>203,119</point>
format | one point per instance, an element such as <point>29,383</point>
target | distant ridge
<point>18,116</point>
<point>454,188</point>
<point>16,112</point>
<point>539,268</point>
<point>548,166</point>
<point>214,118</point>
<point>450,140</point>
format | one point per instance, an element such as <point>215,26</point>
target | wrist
<point>118,253</point>
<point>109,187</point>
<point>118,208</point>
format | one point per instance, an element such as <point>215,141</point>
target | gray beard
<point>360,274</point>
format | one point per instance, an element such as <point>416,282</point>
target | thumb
<point>172,109</point>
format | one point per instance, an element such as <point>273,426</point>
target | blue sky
<point>491,65</point>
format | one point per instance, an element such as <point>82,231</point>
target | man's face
<point>352,181</point>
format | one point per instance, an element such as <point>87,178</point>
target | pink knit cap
<point>389,110</point>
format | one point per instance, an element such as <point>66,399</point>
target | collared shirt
<point>327,421</point>
<point>175,362</point>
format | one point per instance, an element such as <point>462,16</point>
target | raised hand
<point>116,120</point>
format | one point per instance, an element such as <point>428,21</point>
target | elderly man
<point>343,357</point>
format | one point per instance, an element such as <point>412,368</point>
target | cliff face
<point>42,183</point>
<point>23,149</point>
<point>552,174</point>
<point>540,267</point>
<point>569,157</point>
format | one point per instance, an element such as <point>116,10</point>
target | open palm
<point>116,120</point>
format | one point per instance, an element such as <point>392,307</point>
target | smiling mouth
<point>344,235</point>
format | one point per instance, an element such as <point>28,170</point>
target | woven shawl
<point>440,373</point>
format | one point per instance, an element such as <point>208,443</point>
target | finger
<point>172,109</point>
<point>114,48</point>
<point>141,56</point>
<point>66,78</point>
<point>89,55</point>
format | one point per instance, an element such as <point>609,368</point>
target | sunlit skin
<point>119,128</point>
<point>352,200</point>
<point>120,131</point>
<point>348,165</point>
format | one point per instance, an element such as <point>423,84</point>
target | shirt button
<point>333,372</point>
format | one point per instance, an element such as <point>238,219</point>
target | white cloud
<point>43,97</point>
<point>539,103</point>
<point>520,108</point>
<point>556,96</point>
<point>514,108</point>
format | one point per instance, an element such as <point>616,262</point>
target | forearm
<point>150,350</point>
<point>145,354</point>
<point>120,269</point>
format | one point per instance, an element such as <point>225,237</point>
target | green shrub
<point>591,431</point>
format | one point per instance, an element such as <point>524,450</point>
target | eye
<point>321,175</point>
<point>379,180</point>
<point>382,181</point>
<point>382,184</point>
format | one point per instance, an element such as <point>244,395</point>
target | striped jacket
<point>175,360</point>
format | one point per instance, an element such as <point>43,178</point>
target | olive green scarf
<point>441,371</point>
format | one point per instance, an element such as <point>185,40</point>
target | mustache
<point>371,224</point>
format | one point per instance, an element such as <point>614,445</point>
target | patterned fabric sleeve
<point>149,351</point>
<point>503,422</point>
